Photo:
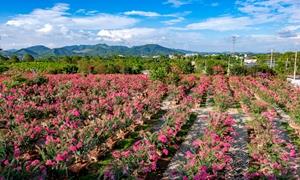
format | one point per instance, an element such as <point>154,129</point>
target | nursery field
<point>130,127</point>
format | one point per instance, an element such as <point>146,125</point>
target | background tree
<point>3,58</point>
<point>28,58</point>
<point>14,59</point>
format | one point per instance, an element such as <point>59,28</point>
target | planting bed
<point>130,127</point>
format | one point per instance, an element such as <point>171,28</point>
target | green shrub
<point>70,69</point>
<point>173,78</point>
<point>39,80</point>
<point>238,70</point>
<point>3,69</point>
<point>17,80</point>
<point>159,73</point>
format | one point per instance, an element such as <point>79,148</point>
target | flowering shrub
<point>209,158</point>
<point>222,95</point>
<point>50,126</point>
<point>145,153</point>
<point>59,126</point>
<point>270,152</point>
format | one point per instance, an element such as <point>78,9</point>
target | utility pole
<point>205,65</point>
<point>271,62</point>
<point>286,64</point>
<point>233,44</point>
<point>233,54</point>
<point>295,65</point>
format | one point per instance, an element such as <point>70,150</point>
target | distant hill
<point>94,50</point>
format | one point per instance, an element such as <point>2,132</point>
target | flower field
<point>130,127</point>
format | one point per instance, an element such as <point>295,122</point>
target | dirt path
<point>196,130</point>
<point>239,150</point>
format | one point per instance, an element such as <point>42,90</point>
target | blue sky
<point>199,25</point>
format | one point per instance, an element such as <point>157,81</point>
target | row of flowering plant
<point>281,93</point>
<point>222,94</point>
<point>48,127</point>
<point>269,150</point>
<point>209,157</point>
<point>201,89</point>
<point>142,158</point>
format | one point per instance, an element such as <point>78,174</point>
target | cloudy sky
<point>199,25</point>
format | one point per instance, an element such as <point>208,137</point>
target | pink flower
<point>189,154</point>
<point>17,152</point>
<point>35,163</point>
<point>170,132</point>
<point>116,154</point>
<point>73,148</point>
<point>293,153</point>
<point>79,145</point>
<point>76,113</point>
<point>50,163</point>
<point>162,138</point>
<point>165,151</point>
<point>197,143</point>
<point>6,162</point>
<point>61,156</point>
<point>126,154</point>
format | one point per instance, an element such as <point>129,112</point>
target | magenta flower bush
<point>209,158</point>
<point>70,119</point>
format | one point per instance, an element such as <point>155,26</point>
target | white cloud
<point>101,21</point>
<point>287,34</point>
<point>125,34</point>
<point>177,17</point>
<point>57,16</point>
<point>142,13</point>
<point>46,29</point>
<point>222,24</point>
<point>256,14</point>
<point>177,3</point>
<point>271,10</point>
<point>168,37</point>
<point>174,21</point>
<point>215,4</point>
<point>56,26</point>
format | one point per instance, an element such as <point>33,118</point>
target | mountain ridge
<point>96,50</point>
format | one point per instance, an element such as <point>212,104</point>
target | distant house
<point>146,72</point>
<point>191,54</point>
<point>172,56</point>
<point>295,82</point>
<point>249,61</point>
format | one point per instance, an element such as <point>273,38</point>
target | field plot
<point>130,127</point>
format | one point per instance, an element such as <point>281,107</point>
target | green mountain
<point>96,50</point>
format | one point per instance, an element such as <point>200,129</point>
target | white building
<point>191,54</point>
